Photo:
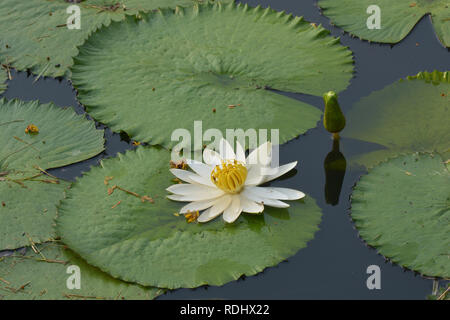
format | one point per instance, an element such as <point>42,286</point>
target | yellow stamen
<point>191,216</point>
<point>180,164</point>
<point>32,129</point>
<point>229,176</point>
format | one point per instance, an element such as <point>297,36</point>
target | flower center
<point>229,176</point>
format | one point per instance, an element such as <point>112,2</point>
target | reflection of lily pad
<point>398,17</point>
<point>144,242</point>
<point>211,62</point>
<point>27,196</point>
<point>408,116</point>
<point>48,279</point>
<point>402,208</point>
<point>35,35</point>
<point>3,77</point>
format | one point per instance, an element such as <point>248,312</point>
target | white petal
<point>265,201</point>
<point>200,168</point>
<point>276,193</point>
<point>280,171</point>
<point>219,206</point>
<point>254,175</point>
<point>274,203</point>
<point>191,177</point>
<point>188,189</point>
<point>251,206</point>
<point>226,151</point>
<point>198,206</point>
<point>184,175</point>
<point>211,157</point>
<point>203,180</point>
<point>289,194</point>
<point>240,153</point>
<point>233,211</point>
<point>198,196</point>
<point>264,192</point>
<point>261,155</point>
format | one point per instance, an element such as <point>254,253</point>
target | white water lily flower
<point>228,183</point>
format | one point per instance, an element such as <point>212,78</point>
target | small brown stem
<point>336,136</point>
<point>442,296</point>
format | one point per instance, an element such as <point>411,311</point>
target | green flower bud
<point>333,119</point>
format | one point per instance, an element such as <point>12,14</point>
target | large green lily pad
<point>28,196</point>
<point>210,62</point>
<point>3,77</point>
<point>64,137</point>
<point>398,17</point>
<point>35,35</point>
<point>146,243</point>
<point>408,116</point>
<point>402,208</point>
<point>28,210</point>
<point>47,279</point>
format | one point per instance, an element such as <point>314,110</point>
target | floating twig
<point>45,172</point>
<point>42,72</point>
<point>116,205</point>
<point>39,259</point>
<point>20,288</point>
<point>443,295</point>
<point>7,67</point>
<point>143,198</point>
<point>34,248</point>
<point>28,144</point>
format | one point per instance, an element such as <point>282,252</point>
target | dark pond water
<point>334,264</point>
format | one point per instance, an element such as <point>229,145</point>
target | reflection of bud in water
<point>333,118</point>
<point>335,166</point>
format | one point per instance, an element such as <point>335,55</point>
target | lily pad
<point>28,196</point>
<point>209,62</point>
<point>47,279</point>
<point>3,77</point>
<point>144,242</point>
<point>28,210</point>
<point>398,17</point>
<point>408,116</point>
<point>35,35</point>
<point>402,208</point>
<point>63,138</point>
